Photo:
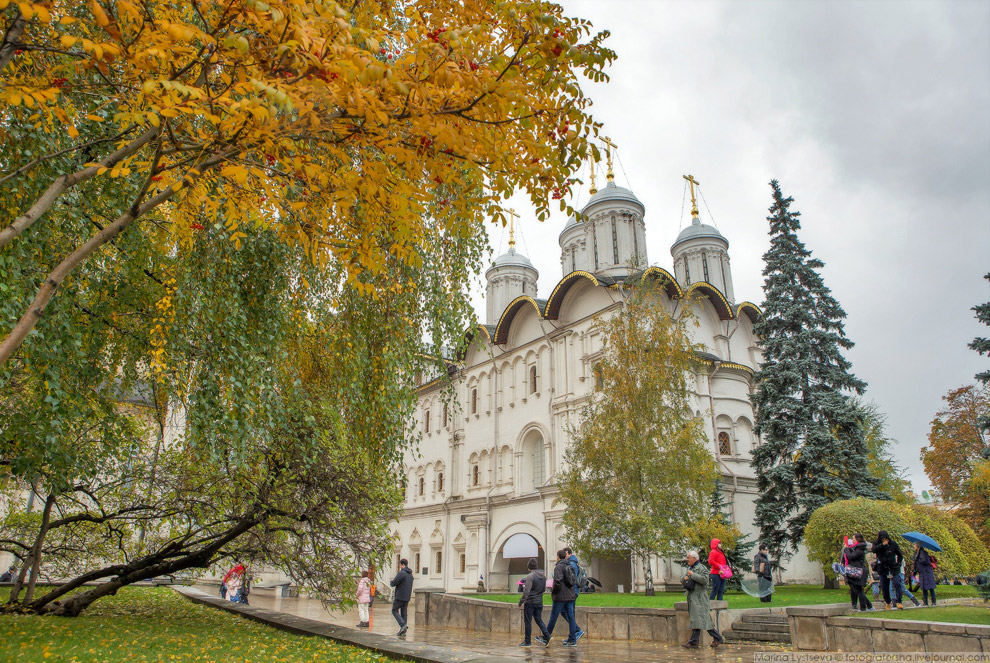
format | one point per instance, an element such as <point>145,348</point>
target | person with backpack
<point>580,576</point>
<point>564,598</point>
<point>925,568</point>
<point>763,571</point>
<point>857,573</point>
<point>531,602</point>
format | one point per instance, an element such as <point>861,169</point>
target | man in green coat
<point>695,583</point>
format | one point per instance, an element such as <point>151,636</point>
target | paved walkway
<point>450,645</point>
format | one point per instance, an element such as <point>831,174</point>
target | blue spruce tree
<point>813,448</point>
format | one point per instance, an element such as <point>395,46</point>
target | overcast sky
<point>874,116</point>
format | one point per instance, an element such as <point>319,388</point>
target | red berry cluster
<point>197,226</point>
<point>557,193</point>
<point>59,82</point>
<point>438,179</point>
<point>156,178</point>
<point>424,143</point>
<point>557,50</point>
<point>270,160</point>
<point>434,36</point>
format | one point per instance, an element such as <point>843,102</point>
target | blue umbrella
<point>925,540</point>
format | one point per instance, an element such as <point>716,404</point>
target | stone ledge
<point>381,644</point>
<point>824,610</point>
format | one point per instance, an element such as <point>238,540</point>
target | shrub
<point>973,551</point>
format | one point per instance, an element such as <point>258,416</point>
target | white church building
<point>481,495</point>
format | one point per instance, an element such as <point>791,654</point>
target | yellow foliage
<point>342,126</point>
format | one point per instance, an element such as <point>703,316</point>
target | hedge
<point>962,552</point>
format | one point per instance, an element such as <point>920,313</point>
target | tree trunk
<point>831,582</point>
<point>33,558</point>
<point>648,574</point>
<point>142,569</point>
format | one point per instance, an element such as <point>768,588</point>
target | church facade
<point>481,493</point>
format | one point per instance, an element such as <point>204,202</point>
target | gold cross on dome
<point>609,146</point>
<point>694,204</point>
<point>512,228</point>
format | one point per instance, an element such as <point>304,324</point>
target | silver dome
<point>696,230</point>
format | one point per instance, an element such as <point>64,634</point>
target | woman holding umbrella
<point>923,563</point>
<point>926,574</point>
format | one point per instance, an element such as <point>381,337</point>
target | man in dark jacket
<point>531,602</point>
<point>762,569</point>
<point>564,596</point>
<point>889,563</point>
<point>403,582</point>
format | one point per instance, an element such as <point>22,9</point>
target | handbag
<point>725,572</point>
<point>688,584</point>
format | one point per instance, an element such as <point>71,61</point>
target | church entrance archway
<point>509,565</point>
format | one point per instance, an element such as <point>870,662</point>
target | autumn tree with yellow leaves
<point>264,214</point>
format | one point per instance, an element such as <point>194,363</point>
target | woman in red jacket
<point>716,560</point>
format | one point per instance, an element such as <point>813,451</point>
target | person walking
<point>572,559</point>
<point>763,571</point>
<point>695,583</point>
<point>403,582</point>
<point>926,573</point>
<point>855,558</point>
<point>889,563</point>
<point>564,597</point>
<point>8,575</point>
<point>531,602</point>
<point>716,560</point>
<point>364,600</point>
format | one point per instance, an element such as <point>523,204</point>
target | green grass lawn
<point>784,595</point>
<point>959,614</point>
<point>155,624</point>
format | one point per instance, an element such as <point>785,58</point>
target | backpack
<point>569,579</point>
<point>582,578</point>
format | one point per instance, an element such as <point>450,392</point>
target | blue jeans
<point>897,585</point>
<point>718,587</point>
<point>566,607</point>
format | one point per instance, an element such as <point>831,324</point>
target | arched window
<point>538,465</point>
<point>724,444</point>
<point>532,379</point>
<point>417,562</point>
<point>475,475</point>
<point>440,482</point>
<point>439,564</point>
<point>474,401</point>
<point>463,562</point>
<point>422,486</point>
<point>426,421</point>
<point>445,415</point>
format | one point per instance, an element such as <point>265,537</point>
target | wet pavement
<point>463,644</point>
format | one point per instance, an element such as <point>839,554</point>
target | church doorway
<point>509,565</point>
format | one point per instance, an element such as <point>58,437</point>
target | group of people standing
<point>887,569</point>
<point>236,584</point>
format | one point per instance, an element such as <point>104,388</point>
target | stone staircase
<point>759,628</point>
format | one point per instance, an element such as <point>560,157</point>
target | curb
<point>388,646</point>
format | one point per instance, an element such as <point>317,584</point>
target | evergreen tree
<point>982,346</point>
<point>814,448</point>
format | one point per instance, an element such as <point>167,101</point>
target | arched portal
<point>509,565</point>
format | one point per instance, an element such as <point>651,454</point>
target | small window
<point>440,482</point>
<point>724,444</point>
<point>417,561</point>
<point>422,489</point>
<point>426,421</point>
<point>704,265</point>
<point>474,401</point>
<point>475,475</point>
<point>615,244</point>
<point>463,562</point>
<point>532,379</point>
<point>398,560</point>
<point>439,563</point>
<point>445,415</point>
